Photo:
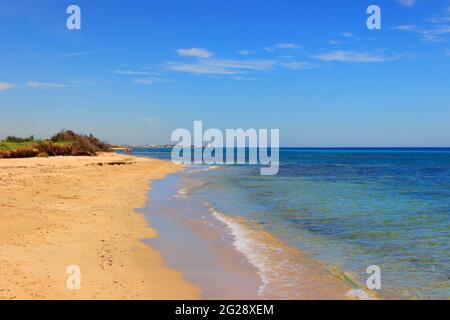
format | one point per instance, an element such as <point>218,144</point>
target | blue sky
<point>137,70</point>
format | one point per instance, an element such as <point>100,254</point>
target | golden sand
<point>62,211</point>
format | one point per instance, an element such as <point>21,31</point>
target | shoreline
<point>240,260</point>
<point>190,242</point>
<point>62,211</point>
<point>94,212</point>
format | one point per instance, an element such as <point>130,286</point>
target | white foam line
<point>204,170</point>
<point>359,294</point>
<point>256,254</point>
<point>249,247</point>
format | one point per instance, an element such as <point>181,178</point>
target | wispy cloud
<point>32,85</point>
<point>76,54</point>
<point>447,52</point>
<point>286,46</point>
<point>207,64</point>
<point>135,73</point>
<point>220,66</point>
<point>405,27</point>
<point>237,67</point>
<point>43,85</point>
<point>256,65</point>
<point>198,68</point>
<point>443,17</point>
<point>85,53</point>
<point>297,65</point>
<point>246,52</point>
<point>435,29</point>
<point>347,34</point>
<point>149,81</point>
<point>407,3</point>
<point>142,77</point>
<point>6,86</point>
<point>349,56</point>
<point>195,52</point>
<point>435,34</point>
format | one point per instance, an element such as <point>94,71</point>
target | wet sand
<point>61,211</point>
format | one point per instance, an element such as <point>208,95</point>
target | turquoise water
<point>351,208</point>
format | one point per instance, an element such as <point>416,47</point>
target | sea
<point>346,208</point>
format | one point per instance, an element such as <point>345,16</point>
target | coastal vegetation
<point>64,143</point>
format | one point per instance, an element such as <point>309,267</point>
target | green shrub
<point>19,140</point>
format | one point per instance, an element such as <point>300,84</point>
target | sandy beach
<point>62,211</point>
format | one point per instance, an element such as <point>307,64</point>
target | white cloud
<point>198,68</point>
<point>6,86</point>
<point>405,27</point>
<point>149,81</point>
<point>85,53</point>
<point>246,52</point>
<point>221,66</point>
<point>236,67</point>
<point>442,19</point>
<point>195,52</point>
<point>407,3</point>
<point>286,46</point>
<point>282,46</point>
<point>347,34</point>
<point>435,34</point>
<point>438,27</point>
<point>43,85</point>
<point>297,65</point>
<point>348,56</point>
<point>135,73</point>
<point>256,65</point>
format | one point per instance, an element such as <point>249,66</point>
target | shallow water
<point>230,257</point>
<point>348,208</point>
<point>191,240</point>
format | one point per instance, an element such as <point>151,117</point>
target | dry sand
<point>61,211</point>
